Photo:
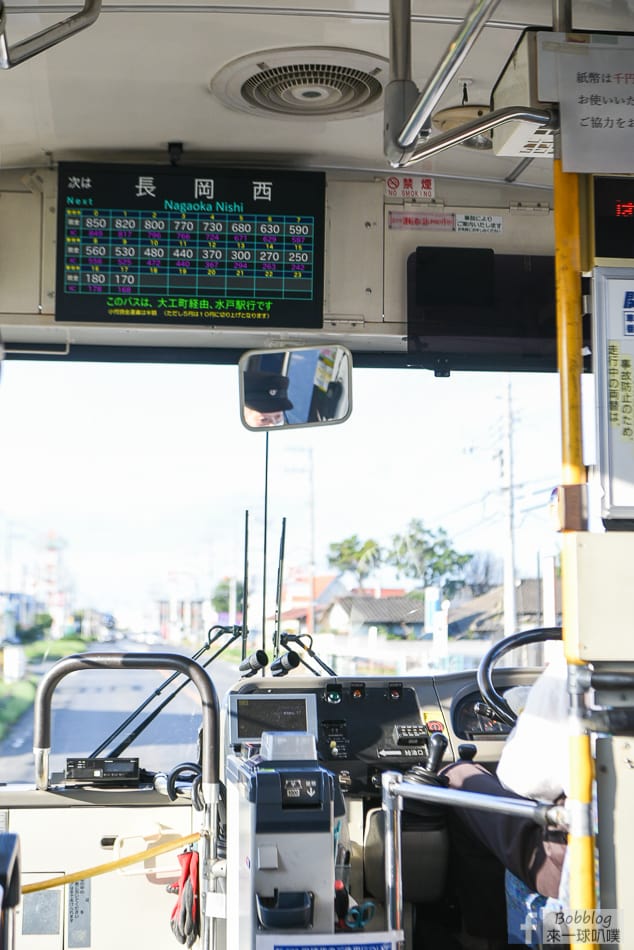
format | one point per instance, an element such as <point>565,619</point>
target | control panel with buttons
<point>367,726</point>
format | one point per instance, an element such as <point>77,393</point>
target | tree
<point>361,558</point>
<point>221,596</point>
<point>40,630</point>
<point>428,557</point>
<point>483,572</point>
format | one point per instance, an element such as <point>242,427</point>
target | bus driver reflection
<point>265,399</point>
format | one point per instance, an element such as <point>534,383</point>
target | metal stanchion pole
<point>392,808</point>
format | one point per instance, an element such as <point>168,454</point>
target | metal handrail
<point>9,887</point>
<point>210,740</point>
<point>454,56</point>
<point>395,789</point>
<point>13,55</point>
<point>130,661</point>
<point>490,120</point>
<point>403,148</point>
<point>407,113</point>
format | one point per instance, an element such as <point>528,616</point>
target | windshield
<point>127,492</point>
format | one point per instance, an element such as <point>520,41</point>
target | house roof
<point>378,592</point>
<point>364,609</point>
<point>485,613</point>
<point>322,582</point>
<point>326,588</point>
<point>481,614</point>
<point>301,613</point>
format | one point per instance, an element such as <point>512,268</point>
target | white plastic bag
<point>534,761</point>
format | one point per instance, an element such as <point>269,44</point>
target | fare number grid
<point>154,253</point>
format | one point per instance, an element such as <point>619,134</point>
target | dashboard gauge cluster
<point>472,719</point>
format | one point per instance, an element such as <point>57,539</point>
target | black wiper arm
<point>233,632</point>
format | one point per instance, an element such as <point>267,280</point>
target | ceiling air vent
<point>304,83</point>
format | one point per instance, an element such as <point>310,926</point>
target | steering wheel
<point>485,671</point>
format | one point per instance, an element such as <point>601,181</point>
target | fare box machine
<point>599,602</point>
<point>285,815</point>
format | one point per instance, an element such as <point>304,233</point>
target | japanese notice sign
<point>196,246</point>
<point>409,187</point>
<point>614,381</point>
<point>592,78</point>
<point>421,220</point>
<point>479,223</point>
<point>79,914</point>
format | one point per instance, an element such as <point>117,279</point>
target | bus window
<point>125,491</point>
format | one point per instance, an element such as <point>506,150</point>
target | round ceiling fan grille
<point>311,89</point>
<point>303,83</point>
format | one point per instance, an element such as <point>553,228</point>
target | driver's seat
<point>424,853</point>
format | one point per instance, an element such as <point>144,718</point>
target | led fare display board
<point>197,246</point>
<point>613,217</point>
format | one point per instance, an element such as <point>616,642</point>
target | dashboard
<point>364,727</point>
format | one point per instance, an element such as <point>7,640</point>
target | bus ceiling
<point>407,111</point>
<point>470,182</point>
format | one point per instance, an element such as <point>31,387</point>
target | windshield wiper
<point>232,632</point>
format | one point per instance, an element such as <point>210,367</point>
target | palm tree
<point>361,558</point>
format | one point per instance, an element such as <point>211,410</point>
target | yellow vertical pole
<point>569,351</point>
<point>569,328</point>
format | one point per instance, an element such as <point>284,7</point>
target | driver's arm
<point>533,765</point>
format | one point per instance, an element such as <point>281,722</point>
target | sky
<point>144,473</point>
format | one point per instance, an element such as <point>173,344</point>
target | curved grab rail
<point>490,120</point>
<point>51,36</point>
<point>130,661</point>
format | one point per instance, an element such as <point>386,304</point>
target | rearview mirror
<point>293,388</point>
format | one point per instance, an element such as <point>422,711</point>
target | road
<point>89,705</point>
